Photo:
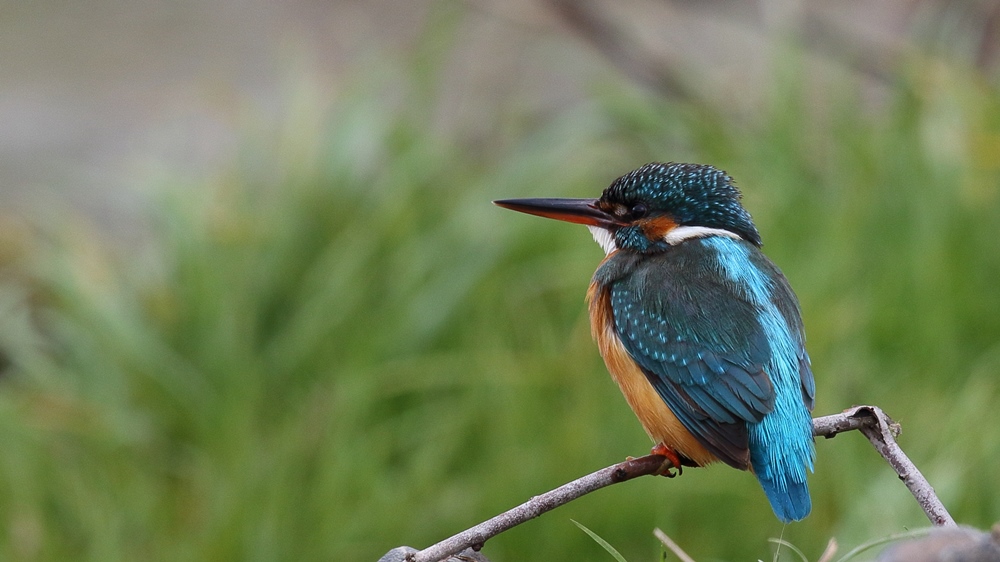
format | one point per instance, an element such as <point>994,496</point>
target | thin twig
<point>674,547</point>
<point>654,69</point>
<point>829,552</point>
<point>870,420</point>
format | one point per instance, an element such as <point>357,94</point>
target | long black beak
<point>579,211</point>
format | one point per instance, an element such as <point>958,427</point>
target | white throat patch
<point>603,237</point>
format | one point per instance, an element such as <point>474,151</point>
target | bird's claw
<point>672,461</point>
<point>667,469</point>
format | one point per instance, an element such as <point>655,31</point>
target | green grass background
<point>337,345</point>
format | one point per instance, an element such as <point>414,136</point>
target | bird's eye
<point>638,211</point>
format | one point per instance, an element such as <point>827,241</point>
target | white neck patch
<point>682,233</point>
<point>677,235</point>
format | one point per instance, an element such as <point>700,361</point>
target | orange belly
<point>660,423</point>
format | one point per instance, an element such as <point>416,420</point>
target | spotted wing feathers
<point>700,344</point>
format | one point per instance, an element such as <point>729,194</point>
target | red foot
<point>673,461</point>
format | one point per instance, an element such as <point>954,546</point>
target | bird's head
<point>654,207</point>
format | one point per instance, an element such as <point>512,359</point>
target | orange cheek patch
<point>655,228</point>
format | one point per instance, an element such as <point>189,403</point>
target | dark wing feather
<point>700,344</point>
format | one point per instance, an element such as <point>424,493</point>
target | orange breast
<point>656,418</point>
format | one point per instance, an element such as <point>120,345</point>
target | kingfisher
<point>700,330</point>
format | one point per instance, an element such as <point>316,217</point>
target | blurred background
<point>255,303</point>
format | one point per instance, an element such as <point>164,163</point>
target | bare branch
<point>476,536</point>
<point>870,420</point>
<point>882,433</point>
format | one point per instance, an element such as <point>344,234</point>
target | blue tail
<point>789,500</point>
<point>781,453</point>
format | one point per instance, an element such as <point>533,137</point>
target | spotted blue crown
<point>694,194</point>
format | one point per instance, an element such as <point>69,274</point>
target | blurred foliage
<point>337,345</point>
